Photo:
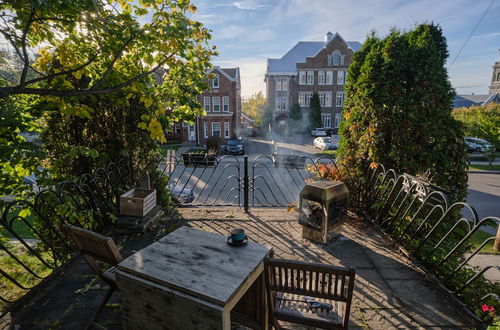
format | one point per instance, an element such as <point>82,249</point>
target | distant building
<point>310,66</point>
<point>476,100</point>
<point>222,103</point>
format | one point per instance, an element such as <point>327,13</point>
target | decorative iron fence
<point>33,242</point>
<point>420,218</point>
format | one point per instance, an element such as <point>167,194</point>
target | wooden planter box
<point>195,159</point>
<point>287,160</point>
<point>137,202</point>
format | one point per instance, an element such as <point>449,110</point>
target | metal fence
<point>436,233</point>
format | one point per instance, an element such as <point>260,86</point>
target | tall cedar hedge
<point>398,110</point>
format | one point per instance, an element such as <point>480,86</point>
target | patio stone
<point>390,292</point>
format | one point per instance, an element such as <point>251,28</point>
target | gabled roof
<point>494,98</point>
<point>300,52</point>
<point>468,100</point>
<point>233,74</point>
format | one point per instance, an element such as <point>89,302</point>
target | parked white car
<point>323,143</point>
<point>318,132</point>
<point>483,144</point>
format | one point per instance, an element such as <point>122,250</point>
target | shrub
<point>213,145</point>
<point>482,122</point>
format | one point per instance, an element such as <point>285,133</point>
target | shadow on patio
<point>390,292</point>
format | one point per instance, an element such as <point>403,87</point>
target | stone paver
<point>390,292</point>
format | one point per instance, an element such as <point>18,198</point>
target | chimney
<point>328,36</point>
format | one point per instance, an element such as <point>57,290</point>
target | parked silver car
<point>323,143</point>
<point>484,145</point>
<point>180,193</point>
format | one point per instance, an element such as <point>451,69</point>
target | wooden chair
<point>96,247</point>
<point>294,287</point>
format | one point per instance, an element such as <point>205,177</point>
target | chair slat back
<point>315,280</point>
<point>95,245</point>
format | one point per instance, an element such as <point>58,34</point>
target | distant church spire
<point>495,78</point>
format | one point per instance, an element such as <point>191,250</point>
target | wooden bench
<point>295,287</point>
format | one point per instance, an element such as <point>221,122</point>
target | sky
<point>247,32</point>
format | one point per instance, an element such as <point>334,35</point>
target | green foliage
<point>254,107</point>
<point>295,123</point>
<point>296,113</point>
<point>397,111</point>
<point>315,114</point>
<point>482,122</point>
<point>267,119</point>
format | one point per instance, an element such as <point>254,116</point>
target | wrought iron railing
<point>434,232</point>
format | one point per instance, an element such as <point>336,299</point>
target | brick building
<point>222,103</point>
<point>311,66</point>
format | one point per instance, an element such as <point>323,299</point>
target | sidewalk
<point>390,292</point>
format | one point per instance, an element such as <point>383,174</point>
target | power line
<point>472,32</point>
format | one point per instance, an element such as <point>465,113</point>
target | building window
<point>336,59</point>
<point>329,77</point>
<point>226,130</point>
<point>338,117</point>
<point>309,95</point>
<point>340,99</point>
<point>310,77</point>
<point>283,103</point>
<point>225,103</point>
<point>327,120</point>
<point>325,99</point>
<point>178,128</point>
<point>215,81</point>
<point>321,99</point>
<point>321,77</point>
<point>278,84</point>
<point>285,84</point>
<point>498,76</point>
<point>216,104</point>
<point>216,129</point>
<point>340,77</point>
<point>302,77</point>
<point>206,104</point>
<point>302,99</point>
<point>205,129</point>
<point>278,103</point>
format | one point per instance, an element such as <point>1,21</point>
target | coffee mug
<point>237,235</point>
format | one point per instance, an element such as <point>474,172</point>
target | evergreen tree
<point>296,113</point>
<point>315,115</point>
<point>398,109</point>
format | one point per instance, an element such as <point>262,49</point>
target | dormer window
<point>336,59</point>
<point>215,81</point>
<point>498,76</point>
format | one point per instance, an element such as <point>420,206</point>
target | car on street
<point>472,147</point>
<point>180,193</point>
<point>235,147</point>
<point>484,145</point>
<point>318,132</point>
<point>323,143</point>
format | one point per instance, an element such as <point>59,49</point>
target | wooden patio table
<point>192,279</point>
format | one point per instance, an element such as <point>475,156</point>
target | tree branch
<point>117,56</point>
<point>50,76</point>
<point>23,45</point>
<point>6,91</point>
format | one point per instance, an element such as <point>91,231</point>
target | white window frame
<point>278,84</point>
<point>178,128</point>
<point>216,81</point>
<point>326,119</point>
<point>309,95</point>
<point>278,103</point>
<point>213,129</point>
<point>340,77</point>
<point>206,103</point>
<point>225,104</point>
<point>329,78</point>
<point>321,78</point>
<point>321,99</point>
<point>328,99</point>
<point>226,130</point>
<point>310,77</point>
<point>214,103</point>
<point>336,58</point>
<point>283,103</point>
<point>339,100</point>
<point>205,130</point>
<point>285,84</point>
<point>302,77</point>
<point>338,118</point>
<point>302,99</point>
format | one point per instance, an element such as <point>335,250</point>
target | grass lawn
<point>9,290</point>
<point>478,238</point>
<point>484,167</point>
<point>330,153</point>
<point>19,226</point>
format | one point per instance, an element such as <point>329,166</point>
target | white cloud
<point>487,35</point>
<point>249,5</point>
